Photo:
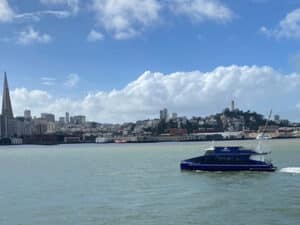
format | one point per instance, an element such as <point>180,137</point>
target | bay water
<point>141,184</point>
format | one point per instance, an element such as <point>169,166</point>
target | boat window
<point>226,159</point>
<point>208,152</point>
<point>258,158</point>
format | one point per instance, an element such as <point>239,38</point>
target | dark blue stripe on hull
<point>227,167</point>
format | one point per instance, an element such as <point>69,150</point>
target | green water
<point>137,184</point>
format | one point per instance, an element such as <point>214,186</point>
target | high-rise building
<point>62,120</point>
<point>6,103</point>
<point>48,117</point>
<point>277,118</point>
<point>174,116</point>
<point>164,115</point>
<point>67,117</point>
<point>7,117</point>
<point>27,115</point>
<point>78,120</point>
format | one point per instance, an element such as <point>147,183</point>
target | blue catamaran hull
<point>184,165</point>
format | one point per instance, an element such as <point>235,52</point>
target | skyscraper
<point>67,117</point>
<point>6,103</point>
<point>7,118</point>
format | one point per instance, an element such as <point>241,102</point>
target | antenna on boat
<point>212,145</point>
<point>258,147</point>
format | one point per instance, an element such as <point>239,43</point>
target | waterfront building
<point>277,118</point>
<point>51,128</point>
<point>72,139</point>
<point>27,128</point>
<point>40,126</point>
<point>23,127</point>
<point>284,122</point>
<point>178,132</point>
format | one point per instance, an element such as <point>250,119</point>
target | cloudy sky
<point>124,60</point>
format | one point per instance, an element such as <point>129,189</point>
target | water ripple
<point>290,170</point>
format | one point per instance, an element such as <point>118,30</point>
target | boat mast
<point>266,125</point>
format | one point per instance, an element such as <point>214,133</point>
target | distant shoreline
<point>149,142</point>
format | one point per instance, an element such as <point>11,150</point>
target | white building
<point>51,128</point>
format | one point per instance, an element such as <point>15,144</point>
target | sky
<point>124,60</point>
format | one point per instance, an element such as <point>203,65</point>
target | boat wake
<point>290,170</point>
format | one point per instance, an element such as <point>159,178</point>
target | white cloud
<point>36,16</point>
<point>294,61</point>
<point>72,80</point>
<point>200,10</point>
<point>30,36</point>
<point>35,99</point>
<point>187,93</point>
<point>94,36</point>
<point>48,81</point>
<point>72,4</point>
<point>6,13</point>
<point>123,19</point>
<point>126,18</point>
<point>288,27</point>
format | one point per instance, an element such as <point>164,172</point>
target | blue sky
<point>72,49</point>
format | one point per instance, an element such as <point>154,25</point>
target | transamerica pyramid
<point>6,103</point>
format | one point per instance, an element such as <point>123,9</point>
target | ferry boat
<point>231,158</point>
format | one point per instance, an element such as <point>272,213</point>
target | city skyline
<point>128,61</point>
<point>231,123</point>
<point>52,118</point>
<point>39,95</point>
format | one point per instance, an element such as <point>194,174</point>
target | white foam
<point>290,170</point>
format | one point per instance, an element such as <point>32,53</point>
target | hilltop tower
<point>232,106</point>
